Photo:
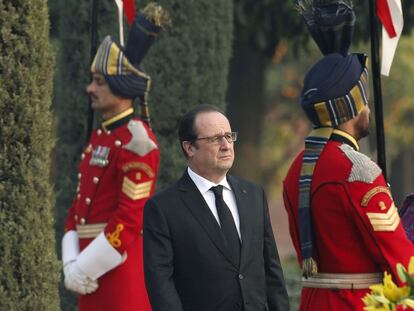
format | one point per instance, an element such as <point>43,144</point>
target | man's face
<point>362,124</point>
<point>212,160</point>
<point>103,100</point>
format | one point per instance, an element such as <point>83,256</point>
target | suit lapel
<point>242,202</point>
<point>198,207</point>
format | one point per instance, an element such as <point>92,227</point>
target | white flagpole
<point>120,6</point>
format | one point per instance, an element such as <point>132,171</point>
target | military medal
<point>100,156</point>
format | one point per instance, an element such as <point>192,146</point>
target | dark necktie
<point>228,227</point>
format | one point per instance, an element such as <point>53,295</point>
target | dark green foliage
<point>262,24</point>
<point>29,271</point>
<point>189,66</point>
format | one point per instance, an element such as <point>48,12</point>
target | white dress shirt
<point>204,185</point>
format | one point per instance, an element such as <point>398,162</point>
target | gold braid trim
<point>374,191</point>
<point>140,166</point>
<point>113,238</point>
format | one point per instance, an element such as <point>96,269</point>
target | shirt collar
<point>203,184</point>
<point>118,120</point>
<point>344,137</point>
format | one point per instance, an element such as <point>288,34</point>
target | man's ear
<point>188,148</point>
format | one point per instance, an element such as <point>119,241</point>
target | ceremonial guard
<point>343,221</point>
<point>102,246</point>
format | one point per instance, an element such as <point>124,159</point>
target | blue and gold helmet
<point>123,78</point>
<point>122,67</point>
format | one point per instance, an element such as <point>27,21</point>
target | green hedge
<point>29,271</point>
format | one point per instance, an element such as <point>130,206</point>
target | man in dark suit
<point>208,240</point>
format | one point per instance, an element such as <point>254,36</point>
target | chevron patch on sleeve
<point>136,191</point>
<point>385,221</point>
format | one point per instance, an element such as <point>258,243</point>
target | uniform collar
<point>344,137</point>
<point>118,120</point>
<point>203,184</point>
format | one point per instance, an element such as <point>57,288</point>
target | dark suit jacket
<point>187,265</point>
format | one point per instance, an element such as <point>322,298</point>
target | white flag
<point>389,45</point>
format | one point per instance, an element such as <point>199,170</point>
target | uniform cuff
<point>98,258</point>
<point>70,246</point>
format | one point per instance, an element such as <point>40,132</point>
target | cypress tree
<point>189,66</point>
<point>28,266</point>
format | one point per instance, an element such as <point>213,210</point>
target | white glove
<point>99,257</point>
<point>77,281</point>
<point>66,267</point>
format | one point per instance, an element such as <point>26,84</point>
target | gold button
<point>83,221</point>
<point>89,148</point>
<point>76,217</point>
<point>99,132</point>
<point>79,176</point>
<point>95,180</point>
<point>142,232</point>
<point>78,189</point>
<point>108,133</point>
<point>82,156</point>
<point>118,143</point>
<point>88,201</point>
<point>78,196</point>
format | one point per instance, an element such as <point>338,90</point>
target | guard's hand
<point>77,281</point>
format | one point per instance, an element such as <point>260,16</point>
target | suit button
<point>241,276</point>
<point>82,221</point>
<point>88,201</point>
<point>95,180</point>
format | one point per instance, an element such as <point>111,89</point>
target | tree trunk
<point>246,108</point>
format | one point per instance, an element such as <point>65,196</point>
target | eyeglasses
<point>230,137</point>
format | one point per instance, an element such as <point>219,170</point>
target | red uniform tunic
<point>355,223</point>
<point>116,177</point>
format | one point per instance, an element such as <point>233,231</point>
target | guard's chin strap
<point>314,145</point>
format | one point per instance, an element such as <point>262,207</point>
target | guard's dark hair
<point>186,129</point>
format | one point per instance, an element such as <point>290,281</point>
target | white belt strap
<point>342,280</point>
